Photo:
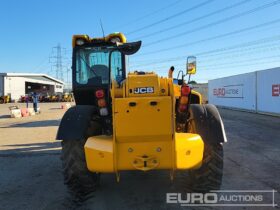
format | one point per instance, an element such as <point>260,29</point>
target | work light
<point>115,39</point>
<point>80,42</point>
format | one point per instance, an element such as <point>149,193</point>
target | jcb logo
<point>143,90</point>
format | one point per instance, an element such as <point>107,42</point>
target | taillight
<point>184,100</point>
<point>99,94</point>
<point>185,90</point>
<point>101,102</point>
<point>182,107</point>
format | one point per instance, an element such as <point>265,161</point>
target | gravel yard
<point>31,176</point>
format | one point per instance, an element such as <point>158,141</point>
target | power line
<point>226,65</point>
<point>273,64</point>
<point>194,20</point>
<point>214,37</point>
<point>216,22</point>
<point>36,68</point>
<point>241,65</point>
<point>250,49</point>
<point>165,66</point>
<point>217,58</point>
<point>235,53</point>
<point>256,42</point>
<point>241,61</point>
<point>246,44</point>
<point>150,14</point>
<point>42,68</point>
<point>231,52</point>
<point>171,16</point>
<point>234,56</point>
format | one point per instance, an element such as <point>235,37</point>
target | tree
<point>192,82</point>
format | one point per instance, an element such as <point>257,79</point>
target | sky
<point>227,37</point>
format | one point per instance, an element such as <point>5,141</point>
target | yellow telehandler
<point>4,99</point>
<point>135,121</point>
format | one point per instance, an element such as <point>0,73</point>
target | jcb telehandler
<point>135,121</point>
<point>4,99</point>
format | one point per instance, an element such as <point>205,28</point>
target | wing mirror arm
<point>180,81</point>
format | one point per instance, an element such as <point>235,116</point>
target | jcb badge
<point>143,90</point>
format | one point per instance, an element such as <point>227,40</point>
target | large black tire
<point>205,120</point>
<point>2,101</point>
<point>80,181</point>
<point>209,176</point>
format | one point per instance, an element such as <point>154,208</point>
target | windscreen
<point>92,66</point>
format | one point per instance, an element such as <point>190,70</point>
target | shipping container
<point>257,91</point>
<point>237,91</point>
<point>268,91</point>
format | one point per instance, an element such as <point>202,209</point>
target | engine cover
<point>141,84</point>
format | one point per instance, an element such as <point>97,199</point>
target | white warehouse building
<point>20,84</point>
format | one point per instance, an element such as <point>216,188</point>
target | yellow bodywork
<point>101,39</point>
<point>144,136</point>
<point>133,155</point>
<point>143,122</point>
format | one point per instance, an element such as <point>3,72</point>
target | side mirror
<point>191,65</point>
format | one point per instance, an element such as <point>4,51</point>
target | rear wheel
<point>205,120</point>
<point>80,181</point>
<point>209,176</point>
<point>2,101</point>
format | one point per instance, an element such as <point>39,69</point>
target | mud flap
<point>75,122</point>
<point>207,122</point>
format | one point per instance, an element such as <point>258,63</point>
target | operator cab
<point>91,66</point>
<point>96,61</point>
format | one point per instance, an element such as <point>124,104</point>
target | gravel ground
<point>31,176</point>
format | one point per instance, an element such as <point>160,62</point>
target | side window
<point>81,69</point>
<point>116,66</point>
